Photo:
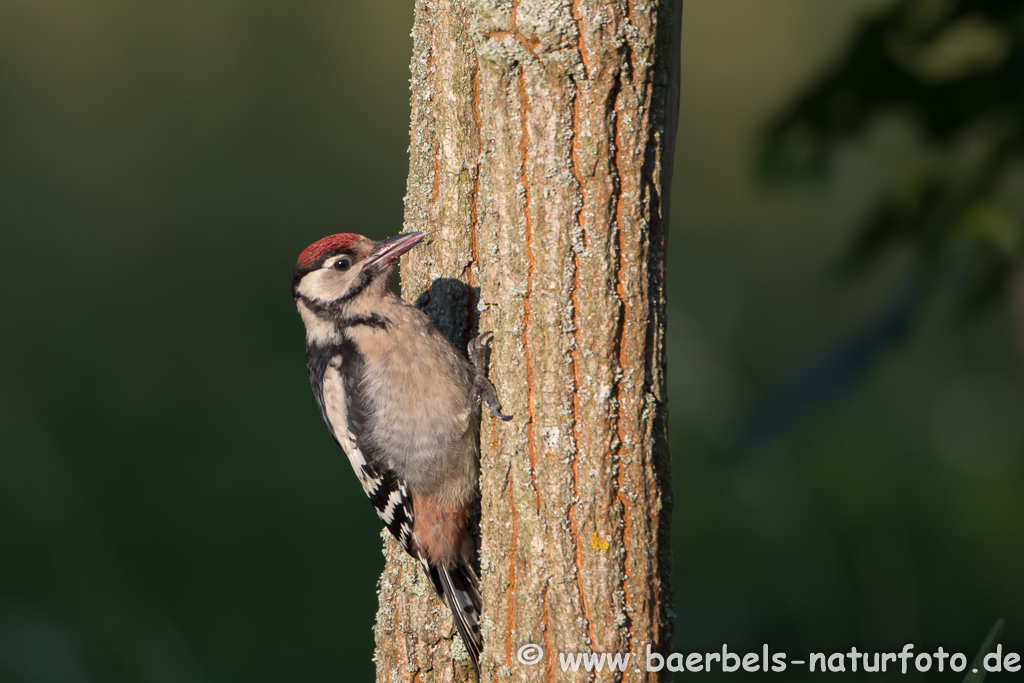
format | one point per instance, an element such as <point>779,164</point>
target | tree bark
<point>541,152</point>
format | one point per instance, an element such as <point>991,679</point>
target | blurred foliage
<point>828,494</point>
<point>171,506</point>
<point>953,71</point>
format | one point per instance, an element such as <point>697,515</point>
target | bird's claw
<point>482,388</point>
<point>477,349</point>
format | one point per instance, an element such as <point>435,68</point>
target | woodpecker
<point>403,404</point>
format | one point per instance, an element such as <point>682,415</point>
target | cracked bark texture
<point>541,152</point>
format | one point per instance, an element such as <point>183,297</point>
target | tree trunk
<point>541,151</point>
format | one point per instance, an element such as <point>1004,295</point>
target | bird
<point>403,404</point>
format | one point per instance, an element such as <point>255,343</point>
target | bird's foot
<point>482,388</point>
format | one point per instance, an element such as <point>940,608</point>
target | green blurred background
<point>171,507</point>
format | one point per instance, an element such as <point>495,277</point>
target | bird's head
<point>340,268</point>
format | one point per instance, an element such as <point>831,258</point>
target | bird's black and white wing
<point>334,376</point>
<point>390,498</point>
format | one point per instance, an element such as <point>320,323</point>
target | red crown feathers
<point>314,252</point>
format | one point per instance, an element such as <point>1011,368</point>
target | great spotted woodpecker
<point>402,403</point>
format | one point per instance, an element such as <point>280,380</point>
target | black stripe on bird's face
<point>337,278</point>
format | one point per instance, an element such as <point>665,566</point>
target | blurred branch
<point>835,371</point>
<point>976,672</point>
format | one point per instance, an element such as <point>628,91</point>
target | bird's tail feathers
<point>461,591</point>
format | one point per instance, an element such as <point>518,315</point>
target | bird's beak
<point>387,251</point>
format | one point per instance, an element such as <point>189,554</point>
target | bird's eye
<point>344,263</point>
